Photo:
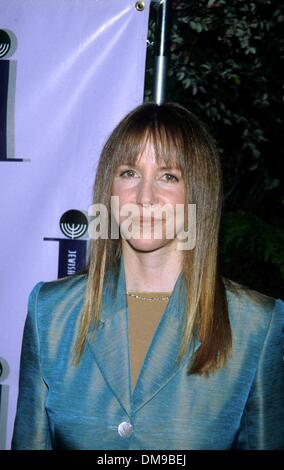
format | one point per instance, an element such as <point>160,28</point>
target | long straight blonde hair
<point>179,138</point>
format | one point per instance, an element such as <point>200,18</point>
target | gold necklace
<point>151,299</point>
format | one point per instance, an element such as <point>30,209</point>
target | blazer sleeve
<point>262,424</point>
<point>31,429</point>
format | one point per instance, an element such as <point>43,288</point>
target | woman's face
<point>144,189</point>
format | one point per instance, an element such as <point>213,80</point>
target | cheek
<point>119,191</point>
<point>181,196</point>
<point>178,215</point>
<point>125,192</point>
<point>175,197</point>
<point>115,189</point>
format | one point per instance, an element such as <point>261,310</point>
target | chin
<point>147,246</point>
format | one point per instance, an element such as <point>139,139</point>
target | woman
<point>152,348</point>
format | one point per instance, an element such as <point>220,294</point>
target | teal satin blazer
<point>91,406</point>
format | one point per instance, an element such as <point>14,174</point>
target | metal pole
<point>162,41</point>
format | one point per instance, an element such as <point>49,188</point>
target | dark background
<point>225,62</point>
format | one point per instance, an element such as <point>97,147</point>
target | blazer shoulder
<point>241,293</point>
<point>251,308</point>
<point>57,299</point>
<point>53,317</point>
<point>58,288</point>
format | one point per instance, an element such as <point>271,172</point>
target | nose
<point>146,195</point>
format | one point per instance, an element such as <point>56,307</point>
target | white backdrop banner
<point>69,71</point>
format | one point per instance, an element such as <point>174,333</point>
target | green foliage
<point>225,62</point>
<point>251,246</point>
<point>250,234</point>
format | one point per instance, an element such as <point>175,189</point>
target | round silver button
<point>125,429</point>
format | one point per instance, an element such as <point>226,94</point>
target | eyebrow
<point>167,167</point>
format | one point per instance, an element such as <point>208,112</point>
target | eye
<point>170,178</point>
<point>127,174</point>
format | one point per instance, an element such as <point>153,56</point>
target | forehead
<point>150,155</point>
<point>147,156</point>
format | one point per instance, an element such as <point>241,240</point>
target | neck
<point>151,271</point>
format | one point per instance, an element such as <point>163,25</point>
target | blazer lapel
<point>111,344</point>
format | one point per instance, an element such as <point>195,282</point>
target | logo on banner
<point>73,224</point>
<point>5,43</point>
<point>72,249</point>
<point>7,96</point>
<point>4,394</point>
